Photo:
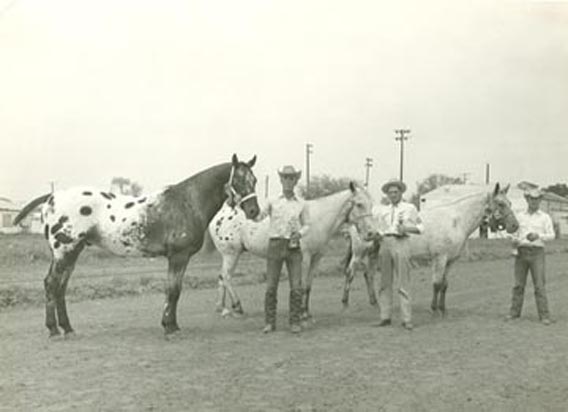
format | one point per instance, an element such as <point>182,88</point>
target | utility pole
<point>52,185</point>
<point>266,181</point>
<point>309,151</point>
<point>401,138</point>
<point>368,165</point>
<point>487,171</point>
<point>465,175</point>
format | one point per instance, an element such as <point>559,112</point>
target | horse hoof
<point>304,324</point>
<point>238,315</point>
<point>225,312</point>
<point>54,333</point>
<point>70,335</point>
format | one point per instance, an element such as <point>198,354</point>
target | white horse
<point>233,234</point>
<point>446,229</point>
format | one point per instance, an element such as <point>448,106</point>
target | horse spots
<point>230,218</point>
<point>106,195</point>
<point>56,228</point>
<point>129,205</point>
<point>112,218</point>
<point>109,206</point>
<point>227,238</point>
<point>56,245</point>
<point>46,231</point>
<point>87,193</point>
<point>127,244</point>
<point>63,238</point>
<point>142,200</point>
<point>63,219</point>
<point>86,210</point>
<point>123,219</point>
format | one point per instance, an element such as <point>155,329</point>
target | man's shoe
<point>384,322</point>
<point>545,321</point>
<point>268,328</point>
<point>510,317</point>
<point>295,328</point>
<point>407,325</point>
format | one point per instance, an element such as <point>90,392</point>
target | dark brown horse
<point>168,223</point>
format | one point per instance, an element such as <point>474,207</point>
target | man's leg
<point>537,268</point>
<point>521,271</point>
<point>402,276</point>
<point>273,269</point>
<point>294,266</point>
<point>385,289</point>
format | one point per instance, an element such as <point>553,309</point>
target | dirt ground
<point>469,361</point>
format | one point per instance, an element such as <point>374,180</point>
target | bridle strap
<point>235,193</point>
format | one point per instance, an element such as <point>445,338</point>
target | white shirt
<point>538,222</point>
<point>287,216</point>
<point>391,216</point>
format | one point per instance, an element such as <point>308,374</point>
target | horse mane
<point>459,200</point>
<point>171,189</point>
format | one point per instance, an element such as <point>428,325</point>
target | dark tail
<point>29,207</point>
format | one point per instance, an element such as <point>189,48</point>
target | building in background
<point>9,210</point>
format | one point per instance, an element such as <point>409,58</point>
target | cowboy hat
<point>289,170</point>
<point>533,193</point>
<point>394,182</point>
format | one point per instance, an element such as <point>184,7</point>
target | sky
<point>158,90</point>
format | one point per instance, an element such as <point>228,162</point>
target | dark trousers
<point>278,254</point>
<point>529,259</point>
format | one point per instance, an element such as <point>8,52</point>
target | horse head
<point>500,216</point>
<point>241,187</point>
<point>360,212</point>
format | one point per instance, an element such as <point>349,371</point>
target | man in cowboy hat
<point>535,228</point>
<point>397,222</point>
<point>289,221</point>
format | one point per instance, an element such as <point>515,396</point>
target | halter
<point>239,199</point>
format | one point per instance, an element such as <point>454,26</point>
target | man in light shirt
<point>397,222</point>
<point>535,228</point>
<point>289,221</point>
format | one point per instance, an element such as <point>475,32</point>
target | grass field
<point>120,360</point>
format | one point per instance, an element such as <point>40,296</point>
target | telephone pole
<point>266,181</point>
<point>465,175</point>
<point>487,170</point>
<point>309,151</point>
<point>368,165</point>
<point>401,138</point>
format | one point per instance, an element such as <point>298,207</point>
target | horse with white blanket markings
<point>232,234</point>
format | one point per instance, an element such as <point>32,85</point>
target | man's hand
<point>295,235</point>
<point>532,236</point>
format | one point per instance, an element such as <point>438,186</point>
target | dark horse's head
<point>499,215</point>
<point>241,187</point>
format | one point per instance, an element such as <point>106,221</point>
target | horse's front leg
<point>350,272</point>
<point>228,268</point>
<point>177,264</point>
<point>370,278</point>
<point>309,278</point>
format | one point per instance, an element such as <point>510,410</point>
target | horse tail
<point>29,207</point>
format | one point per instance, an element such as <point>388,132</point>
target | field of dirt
<point>119,358</point>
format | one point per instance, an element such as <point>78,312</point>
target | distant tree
<point>560,189</point>
<point>432,182</point>
<point>125,186</point>
<point>324,185</point>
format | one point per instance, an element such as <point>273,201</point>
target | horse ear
<point>235,159</point>
<point>352,186</point>
<point>506,189</point>
<point>497,189</point>
<point>252,162</point>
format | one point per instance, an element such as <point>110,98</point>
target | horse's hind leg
<point>313,263</point>
<point>349,275</point>
<point>229,265</point>
<point>177,263</point>
<point>444,288</point>
<point>55,284</point>
<point>370,278</point>
<point>438,270</point>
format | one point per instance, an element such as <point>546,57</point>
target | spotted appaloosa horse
<point>446,230</point>
<point>168,223</point>
<point>232,234</point>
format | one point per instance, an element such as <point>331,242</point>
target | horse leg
<point>229,265</point>
<point>350,272</point>
<point>177,263</point>
<point>370,279</point>
<point>438,268</point>
<point>444,288</point>
<point>314,261</point>
<point>55,284</point>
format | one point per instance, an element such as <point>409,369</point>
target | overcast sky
<point>157,90</point>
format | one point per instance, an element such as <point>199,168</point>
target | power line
<point>401,138</point>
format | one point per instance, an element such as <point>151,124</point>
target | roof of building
<point>7,204</point>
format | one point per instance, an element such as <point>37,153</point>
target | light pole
<point>368,165</point>
<point>309,151</point>
<point>401,138</point>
